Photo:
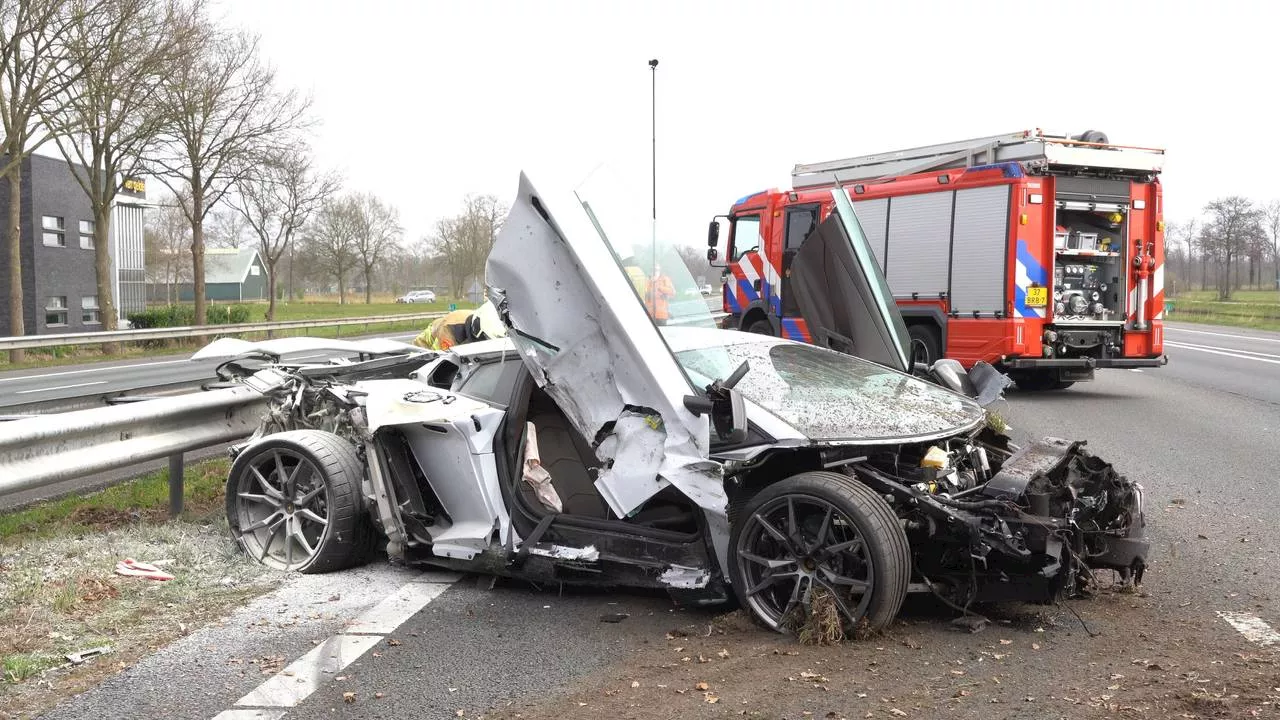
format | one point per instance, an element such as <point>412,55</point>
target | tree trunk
<point>197,248</point>
<point>17,326</point>
<point>368,285</point>
<point>271,290</point>
<point>102,268</point>
<point>342,287</point>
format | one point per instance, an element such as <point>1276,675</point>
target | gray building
<point>57,251</point>
<point>230,275</point>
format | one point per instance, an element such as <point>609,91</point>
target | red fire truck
<point>1040,254</point>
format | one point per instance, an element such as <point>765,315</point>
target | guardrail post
<point>175,485</point>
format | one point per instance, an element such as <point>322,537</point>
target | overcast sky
<point>424,102</point>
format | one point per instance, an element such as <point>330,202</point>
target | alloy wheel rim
<point>282,506</point>
<point>795,544</point>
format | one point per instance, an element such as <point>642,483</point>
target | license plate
<point>1037,296</point>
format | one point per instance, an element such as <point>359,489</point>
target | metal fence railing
<point>27,342</point>
<point>42,450</point>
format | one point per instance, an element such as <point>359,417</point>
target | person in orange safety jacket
<point>657,296</point>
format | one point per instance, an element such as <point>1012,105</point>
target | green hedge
<point>183,315</point>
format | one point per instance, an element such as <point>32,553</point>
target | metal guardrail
<point>39,451</point>
<point>27,342</point>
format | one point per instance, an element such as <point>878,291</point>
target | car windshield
<point>828,395</point>
<point>667,270</point>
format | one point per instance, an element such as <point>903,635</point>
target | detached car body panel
<point>593,446</point>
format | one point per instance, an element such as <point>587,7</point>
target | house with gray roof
<point>230,275</point>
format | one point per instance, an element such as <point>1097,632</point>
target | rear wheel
<point>293,502</point>
<point>760,327</point>
<point>926,345</point>
<point>819,531</point>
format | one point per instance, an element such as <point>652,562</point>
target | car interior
<point>565,454</point>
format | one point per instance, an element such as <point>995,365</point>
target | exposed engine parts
<point>1027,524</point>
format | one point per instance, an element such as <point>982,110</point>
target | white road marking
<point>1251,627</point>
<point>1241,354</point>
<point>305,675</point>
<point>389,614</point>
<point>1168,329</point>
<point>250,714</point>
<point>1135,369</point>
<point>93,369</point>
<point>60,387</point>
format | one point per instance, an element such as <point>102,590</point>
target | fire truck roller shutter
<point>980,250</point>
<point>919,244</point>
<point>873,216</point>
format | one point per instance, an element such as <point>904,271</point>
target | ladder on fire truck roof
<point>1035,150</point>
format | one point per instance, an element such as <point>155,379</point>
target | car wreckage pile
<point>592,447</point>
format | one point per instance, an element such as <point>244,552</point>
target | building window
<point>90,315</point>
<point>55,310</point>
<point>255,270</point>
<point>54,231</point>
<point>86,234</point>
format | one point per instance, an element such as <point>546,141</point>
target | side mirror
<point>712,254</point>
<point>731,426</point>
<point>713,234</point>
<point>951,374</point>
<point>728,411</point>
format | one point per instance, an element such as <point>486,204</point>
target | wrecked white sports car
<point>594,446</point>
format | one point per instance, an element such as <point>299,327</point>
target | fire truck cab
<point>1040,254</point>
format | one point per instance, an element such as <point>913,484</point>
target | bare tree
<point>378,231</point>
<point>332,240</point>
<point>168,241</point>
<point>227,228</point>
<point>1232,225</point>
<point>34,79</point>
<point>124,49</point>
<point>278,198</point>
<point>225,114</point>
<point>462,243</point>
<point>1271,220</point>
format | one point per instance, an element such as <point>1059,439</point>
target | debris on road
<point>132,568</point>
<point>614,617</point>
<point>76,658</point>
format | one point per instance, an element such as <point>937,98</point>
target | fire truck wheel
<point>926,346</point>
<point>760,327</point>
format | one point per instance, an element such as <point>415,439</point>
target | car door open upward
<point>576,316</point>
<point>842,295</point>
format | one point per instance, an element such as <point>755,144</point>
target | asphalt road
<point>1232,360</point>
<point>1201,435</point>
<point>61,383</point>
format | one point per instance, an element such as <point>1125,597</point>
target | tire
<point>867,526</point>
<point>278,488</point>
<point>760,327</point>
<point>926,345</point>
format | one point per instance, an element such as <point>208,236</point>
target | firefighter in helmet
<point>462,326</point>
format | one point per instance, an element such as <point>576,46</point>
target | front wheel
<point>819,532</point>
<point>293,502</point>
<point>760,327</point>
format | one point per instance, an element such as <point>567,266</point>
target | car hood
<point>822,395</point>
<point>226,348</point>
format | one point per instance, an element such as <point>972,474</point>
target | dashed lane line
<point>295,683</point>
<point>1253,628</point>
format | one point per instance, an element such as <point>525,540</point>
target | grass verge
<point>59,592</point>
<point>1258,309</point>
